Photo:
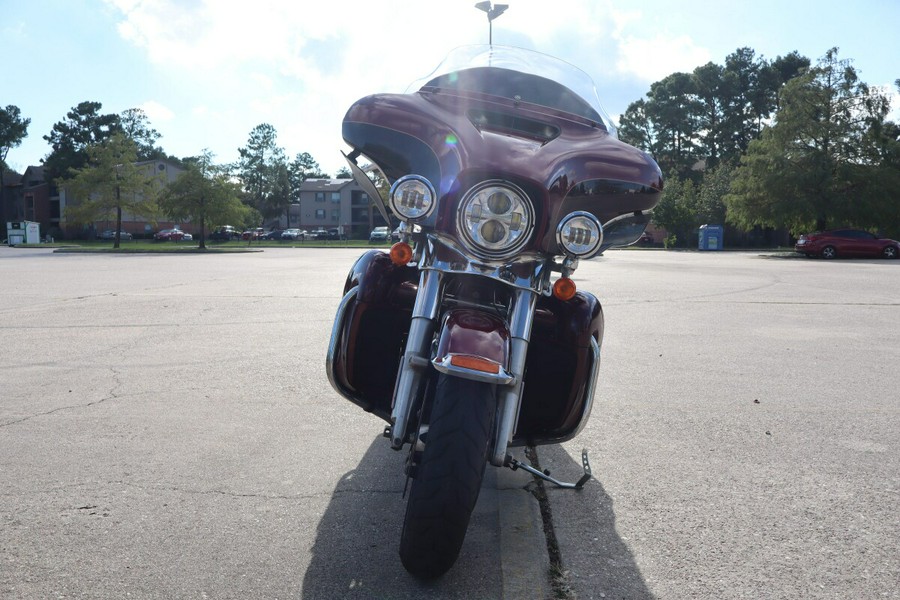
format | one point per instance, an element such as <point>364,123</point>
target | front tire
<point>889,252</point>
<point>829,252</point>
<point>448,478</point>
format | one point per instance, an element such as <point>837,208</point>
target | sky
<point>206,72</point>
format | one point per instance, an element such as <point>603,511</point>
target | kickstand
<point>545,474</point>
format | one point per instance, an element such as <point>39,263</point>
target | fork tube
<point>418,350</point>
<point>521,319</point>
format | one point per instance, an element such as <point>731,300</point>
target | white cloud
<point>299,66</point>
<point>651,59</point>
<point>156,111</point>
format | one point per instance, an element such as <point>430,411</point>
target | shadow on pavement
<point>355,554</point>
<point>598,561</point>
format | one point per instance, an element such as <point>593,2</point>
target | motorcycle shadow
<point>355,553</point>
<point>597,560</point>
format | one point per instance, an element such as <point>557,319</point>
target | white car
<point>380,234</point>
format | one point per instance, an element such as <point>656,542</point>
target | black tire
<point>829,252</point>
<point>444,492</point>
<point>889,252</point>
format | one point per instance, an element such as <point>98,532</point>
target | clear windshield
<point>519,74</point>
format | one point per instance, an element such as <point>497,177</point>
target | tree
<point>259,168</point>
<point>636,127</point>
<point>84,126</point>
<point>13,129</point>
<point>343,173</point>
<point>203,194</point>
<point>710,115</point>
<point>677,209</point>
<point>135,124</point>
<point>110,183</point>
<point>673,109</point>
<point>817,166</point>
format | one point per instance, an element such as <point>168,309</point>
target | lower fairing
<point>373,321</point>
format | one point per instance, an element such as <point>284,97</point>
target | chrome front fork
<point>417,355</point>
<point>415,361</point>
<point>509,397</point>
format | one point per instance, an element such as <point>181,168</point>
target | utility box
<point>23,232</point>
<point>711,237</point>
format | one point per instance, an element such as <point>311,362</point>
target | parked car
<point>395,235</point>
<point>225,233</point>
<point>110,234</point>
<point>253,234</point>
<point>319,234</point>
<point>379,234</point>
<point>845,243</point>
<point>335,234</point>
<point>293,234</point>
<point>275,234</point>
<point>172,235</point>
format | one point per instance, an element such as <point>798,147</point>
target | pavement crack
<point>111,395</point>
<point>559,577</point>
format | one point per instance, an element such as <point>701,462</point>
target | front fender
<point>474,345</point>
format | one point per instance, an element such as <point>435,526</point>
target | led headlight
<point>495,218</point>
<point>579,234</point>
<point>412,198</point>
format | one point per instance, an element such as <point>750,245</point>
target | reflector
<point>564,288</point>
<point>401,253</point>
<point>476,363</point>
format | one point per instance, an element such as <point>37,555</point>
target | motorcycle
<point>469,337</point>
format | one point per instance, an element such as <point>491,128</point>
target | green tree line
<point>783,144</point>
<point>776,144</point>
<point>93,154</point>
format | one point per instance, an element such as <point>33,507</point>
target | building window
<point>320,196</point>
<point>320,213</point>
<point>335,196</point>
<point>336,215</point>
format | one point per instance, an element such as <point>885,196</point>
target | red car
<point>172,235</point>
<point>253,234</point>
<point>845,243</point>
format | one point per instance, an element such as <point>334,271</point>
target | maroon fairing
<point>444,134</point>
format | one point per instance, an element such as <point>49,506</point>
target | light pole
<point>492,13</point>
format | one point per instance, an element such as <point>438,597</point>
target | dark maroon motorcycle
<point>469,336</point>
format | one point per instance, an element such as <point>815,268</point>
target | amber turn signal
<point>564,288</point>
<point>401,253</point>
<point>475,363</point>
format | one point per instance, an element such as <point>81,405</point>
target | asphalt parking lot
<point>167,431</point>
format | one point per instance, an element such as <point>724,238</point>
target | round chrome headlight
<point>579,234</point>
<point>495,218</point>
<point>412,198</point>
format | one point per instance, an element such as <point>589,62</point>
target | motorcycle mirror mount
<point>367,185</point>
<point>624,230</point>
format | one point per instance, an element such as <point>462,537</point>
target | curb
<point>524,561</point>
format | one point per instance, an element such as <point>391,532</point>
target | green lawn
<point>193,246</point>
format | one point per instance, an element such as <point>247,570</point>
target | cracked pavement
<point>167,431</point>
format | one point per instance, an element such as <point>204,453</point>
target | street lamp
<point>492,13</point>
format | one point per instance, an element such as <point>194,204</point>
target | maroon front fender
<point>474,345</point>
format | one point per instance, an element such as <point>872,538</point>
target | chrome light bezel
<point>477,221</point>
<point>589,223</point>
<point>405,212</point>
